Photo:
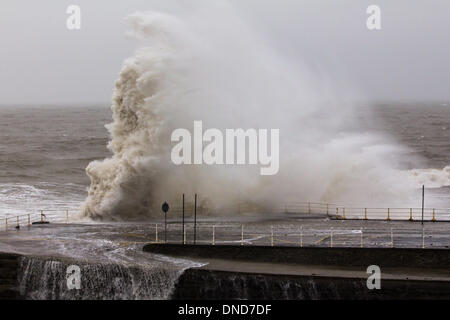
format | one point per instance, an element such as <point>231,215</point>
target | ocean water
<point>43,155</point>
<point>44,150</point>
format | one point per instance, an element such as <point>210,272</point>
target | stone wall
<point>9,266</point>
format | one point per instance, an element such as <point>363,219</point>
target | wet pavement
<point>122,242</point>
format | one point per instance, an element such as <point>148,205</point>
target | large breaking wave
<point>209,65</point>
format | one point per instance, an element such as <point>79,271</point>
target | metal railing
<point>301,236</point>
<point>341,212</point>
<point>343,235</point>
<point>333,211</point>
<point>17,222</point>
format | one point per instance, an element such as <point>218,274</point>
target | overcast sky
<point>41,62</point>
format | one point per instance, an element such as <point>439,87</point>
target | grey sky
<point>41,62</point>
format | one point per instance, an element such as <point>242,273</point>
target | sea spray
<point>208,64</point>
<point>432,178</point>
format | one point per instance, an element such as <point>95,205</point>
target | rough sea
<point>44,150</point>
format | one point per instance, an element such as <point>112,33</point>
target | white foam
<point>209,65</point>
<point>19,199</point>
<point>431,178</point>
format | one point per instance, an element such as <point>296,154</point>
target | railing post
<point>184,236</point>
<point>411,214</point>
<point>423,238</point>
<point>328,207</point>
<point>343,214</point>
<point>337,213</point>
<point>301,236</point>
<point>214,235</point>
<point>42,216</point>
<point>331,238</point>
<point>388,215</point>
<point>242,235</point>
<point>156,234</point>
<point>365,214</point>
<point>29,221</point>
<point>271,239</point>
<point>362,238</point>
<point>392,237</point>
<point>6,224</point>
<point>18,224</point>
<point>67,215</point>
<point>434,215</point>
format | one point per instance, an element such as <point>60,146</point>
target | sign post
<point>195,220</point>
<point>165,209</point>
<point>182,233</point>
<point>423,201</point>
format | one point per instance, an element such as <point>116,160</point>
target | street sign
<point>165,207</point>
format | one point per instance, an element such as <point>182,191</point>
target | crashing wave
<point>209,65</point>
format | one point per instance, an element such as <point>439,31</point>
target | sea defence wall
<point>356,257</point>
<point>203,284</point>
<point>269,272</point>
<point>9,266</point>
<point>213,282</point>
<point>45,278</point>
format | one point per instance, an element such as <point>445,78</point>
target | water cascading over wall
<point>46,279</point>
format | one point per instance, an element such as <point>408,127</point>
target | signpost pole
<point>165,209</point>
<point>195,220</point>
<point>182,234</point>
<point>423,202</point>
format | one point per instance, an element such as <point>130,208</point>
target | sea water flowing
<point>108,271</point>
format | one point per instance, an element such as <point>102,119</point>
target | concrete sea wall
<point>201,284</point>
<point>246,272</point>
<point>358,257</point>
<point>45,278</point>
<point>9,266</point>
<point>210,283</point>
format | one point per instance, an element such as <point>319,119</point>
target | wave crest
<point>209,65</point>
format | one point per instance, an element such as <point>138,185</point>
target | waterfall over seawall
<point>216,285</point>
<point>201,284</point>
<point>46,279</point>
